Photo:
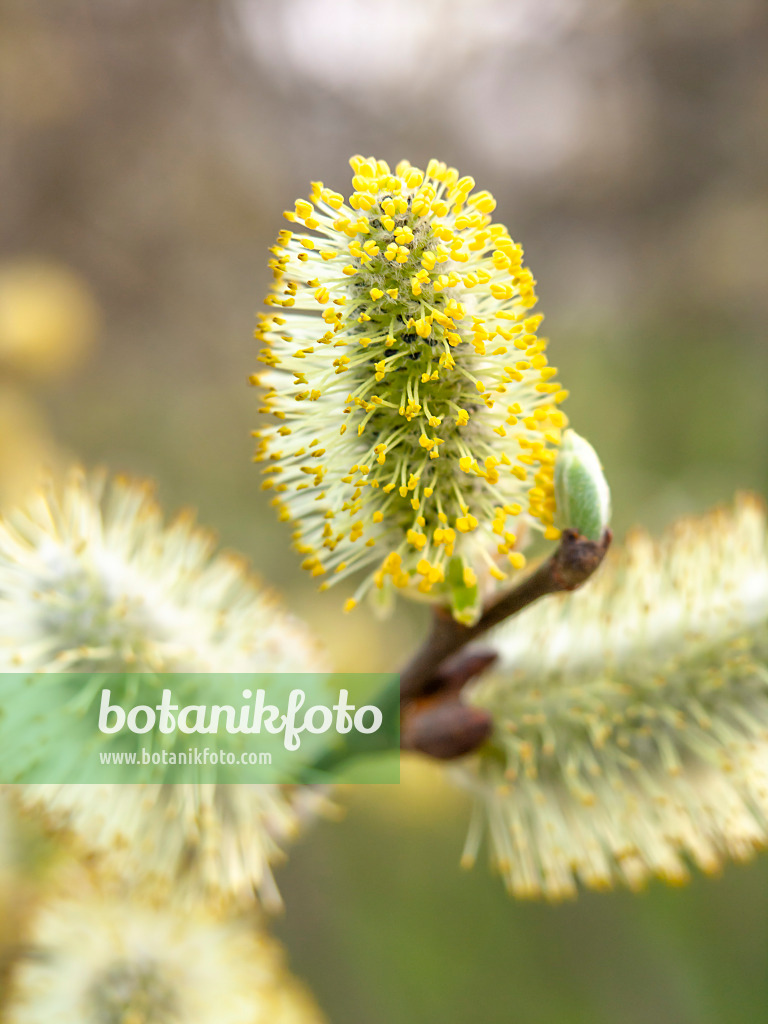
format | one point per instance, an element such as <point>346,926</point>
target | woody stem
<point>571,565</point>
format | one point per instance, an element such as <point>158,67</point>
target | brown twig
<point>434,719</point>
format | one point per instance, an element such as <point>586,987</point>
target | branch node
<point>433,670</point>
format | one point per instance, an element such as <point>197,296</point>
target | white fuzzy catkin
<point>92,579</point>
<point>96,955</point>
<point>631,716</point>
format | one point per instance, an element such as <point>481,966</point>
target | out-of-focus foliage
<point>148,148</point>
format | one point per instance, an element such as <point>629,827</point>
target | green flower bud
<point>581,490</point>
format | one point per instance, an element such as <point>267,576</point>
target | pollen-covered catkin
<point>414,417</point>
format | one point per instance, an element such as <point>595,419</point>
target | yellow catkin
<point>424,367</point>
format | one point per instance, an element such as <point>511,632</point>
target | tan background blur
<point>147,148</point>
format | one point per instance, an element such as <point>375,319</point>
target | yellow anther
<point>465,524</point>
<point>413,177</point>
<point>417,539</point>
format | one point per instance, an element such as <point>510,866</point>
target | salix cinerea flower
<point>631,717</point>
<point>93,580</point>
<point>97,955</point>
<point>416,416</point>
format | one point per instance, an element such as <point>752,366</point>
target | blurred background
<point>147,149</point>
